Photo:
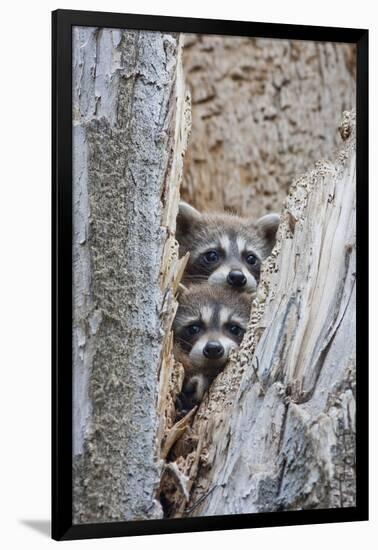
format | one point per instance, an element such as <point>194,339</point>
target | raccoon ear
<point>187,215</point>
<point>267,226</point>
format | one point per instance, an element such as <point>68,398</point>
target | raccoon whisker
<point>186,306</point>
<point>178,339</point>
<point>199,277</point>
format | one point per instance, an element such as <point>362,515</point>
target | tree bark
<point>263,112</point>
<point>130,125</point>
<point>277,430</point>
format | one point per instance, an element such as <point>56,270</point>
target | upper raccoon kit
<point>225,250</point>
<point>209,323</point>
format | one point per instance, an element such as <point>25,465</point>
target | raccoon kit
<point>225,250</point>
<point>209,323</point>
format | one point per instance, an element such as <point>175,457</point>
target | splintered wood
<point>277,430</point>
<point>171,372</point>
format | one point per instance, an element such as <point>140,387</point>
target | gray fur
<point>214,309</point>
<point>198,233</point>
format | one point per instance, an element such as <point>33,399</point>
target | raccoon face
<point>209,323</point>
<point>225,250</point>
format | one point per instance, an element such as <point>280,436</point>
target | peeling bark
<point>130,126</point>
<point>277,430</point>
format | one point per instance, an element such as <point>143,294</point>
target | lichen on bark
<point>125,135</point>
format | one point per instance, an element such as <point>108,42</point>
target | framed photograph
<point>210,179</point>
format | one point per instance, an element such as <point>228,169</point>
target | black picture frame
<point>62,23</point>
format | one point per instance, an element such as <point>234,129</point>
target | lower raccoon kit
<point>209,323</point>
<point>225,250</point>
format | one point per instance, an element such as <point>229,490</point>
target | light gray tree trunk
<point>130,124</point>
<point>277,430</point>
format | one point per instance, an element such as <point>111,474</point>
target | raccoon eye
<point>193,329</point>
<point>235,330</point>
<point>211,256</point>
<point>251,259</point>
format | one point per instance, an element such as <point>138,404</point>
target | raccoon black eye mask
<point>225,250</point>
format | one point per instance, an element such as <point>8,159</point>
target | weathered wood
<point>277,430</point>
<point>263,112</point>
<point>130,126</point>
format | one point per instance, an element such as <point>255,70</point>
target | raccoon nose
<point>236,278</point>
<point>213,350</point>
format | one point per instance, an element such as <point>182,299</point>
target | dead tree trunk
<point>130,123</point>
<point>277,431</point>
<point>263,112</point>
